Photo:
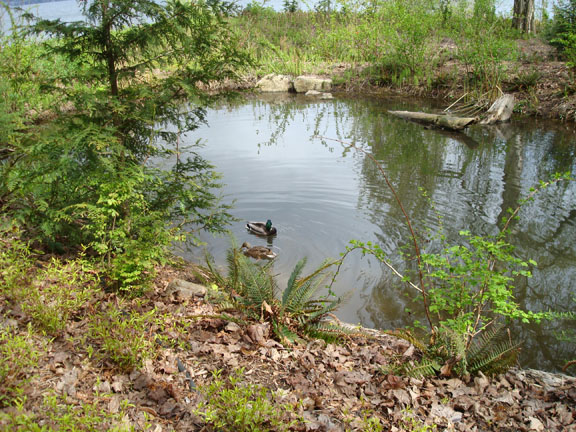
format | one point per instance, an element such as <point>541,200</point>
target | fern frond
<point>322,308</point>
<point>498,359</point>
<point>285,334</point>
<point>326,264</point>
<point>451,345</point>
<point>252,281</point>
<point>408,337</point>
<point>292,280</point>
<point>299,298</point>
<point>425,368</point>
<point>332,332</point>
<point>258,287</point>
<point>484,341</point>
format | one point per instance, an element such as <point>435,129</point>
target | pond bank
<point>311,387</point>
<point>542,85</point>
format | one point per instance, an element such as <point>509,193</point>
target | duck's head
<point>246,245</point>
<point>268,225</point>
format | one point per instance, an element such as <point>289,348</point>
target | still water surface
<point>320,197</point>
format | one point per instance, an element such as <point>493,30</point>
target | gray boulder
<point>275,83</point>
<point>183,290</point>
<point>303,84</point>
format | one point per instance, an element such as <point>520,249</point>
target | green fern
<point>406,335</point>
<point>424,368</point>
<point>298,313</point>
<point>292,285</point>
<point>285,334</point>
<point>483,342</point>
<point>496,359</point>
<point>450,355</point>
<point>332,332</point>
<point>450,346</point>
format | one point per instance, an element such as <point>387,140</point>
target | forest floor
<point>198,357</point>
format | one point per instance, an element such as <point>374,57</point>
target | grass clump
<point>123,335</point>
<point>232,405</point>
<point>57,292</point>
<point>49,293</point>
<point>64,417</point>
<point>18,357</point>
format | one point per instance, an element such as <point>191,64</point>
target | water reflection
<point>321,196</point>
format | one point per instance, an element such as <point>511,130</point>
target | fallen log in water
<point>437,120</point>
<point>500,111</point>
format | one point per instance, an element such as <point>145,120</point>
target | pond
<point>279,161</point>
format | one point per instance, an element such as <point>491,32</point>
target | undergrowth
<point>232,405</point>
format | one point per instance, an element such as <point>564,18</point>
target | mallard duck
<point>261,228</point>
<point>258,252</point>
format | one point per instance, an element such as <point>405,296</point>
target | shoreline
<point>541,85</point>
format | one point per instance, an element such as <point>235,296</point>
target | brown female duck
<point>257,252</point>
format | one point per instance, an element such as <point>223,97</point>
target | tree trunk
<point>523,15</point>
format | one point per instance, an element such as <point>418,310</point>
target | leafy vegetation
<point>18,357</point>
<point>123,335</point>
<point>65,417</point>
<point>448,355</point>
<point>91,164</point>
<point>400,41</point>
<point>562,29</point>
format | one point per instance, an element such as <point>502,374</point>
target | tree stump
<point>500,111</point>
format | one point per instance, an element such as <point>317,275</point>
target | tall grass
<point>399,39</point>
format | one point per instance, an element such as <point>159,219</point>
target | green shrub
<point>466,290</point>
<point>563,23</point>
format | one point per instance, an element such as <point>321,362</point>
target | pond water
<point>320,197</point>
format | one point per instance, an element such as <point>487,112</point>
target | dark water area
<point>320,197</point>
